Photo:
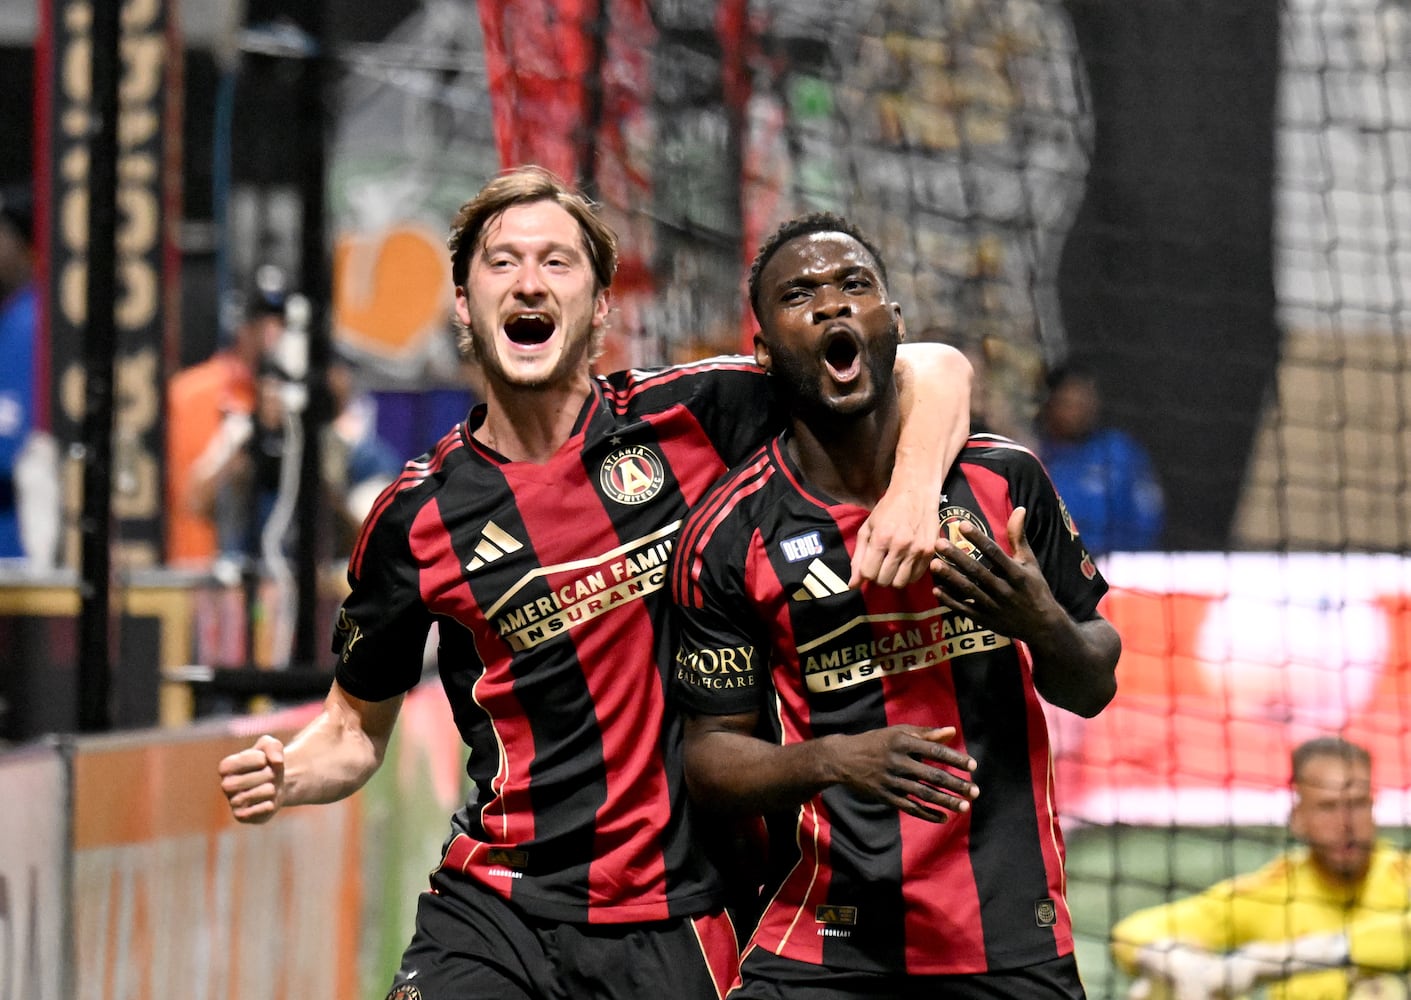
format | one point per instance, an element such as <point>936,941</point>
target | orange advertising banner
<point>173,898</point>
<point>33,838</point>
<point>1228,662</point>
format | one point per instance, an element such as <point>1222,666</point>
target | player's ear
<point>761,352</point>
<point>463,305</point>
<point>601,306</point>
<point>901,322</point>
<point>1297,825</point>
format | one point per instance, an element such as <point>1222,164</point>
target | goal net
<point>1207,202</point>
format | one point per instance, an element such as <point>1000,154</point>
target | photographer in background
<point>209,412</point>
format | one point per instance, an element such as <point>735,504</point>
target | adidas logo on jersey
<point>820,581</point>
<point>494,543</point>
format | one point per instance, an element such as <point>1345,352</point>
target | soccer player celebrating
<point>894,738</point>
<point>536,535</point>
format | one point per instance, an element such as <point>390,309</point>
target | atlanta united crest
<point>951,520</point>
<point>632,475</point>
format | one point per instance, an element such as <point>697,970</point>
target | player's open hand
<point>253,780</point>
<point>1003,593</point>
<point>911,768</point>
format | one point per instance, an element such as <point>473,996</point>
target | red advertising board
<point>1228,662</point>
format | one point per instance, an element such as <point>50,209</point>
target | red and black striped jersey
<point>769,625</point>
<point>548,586</point>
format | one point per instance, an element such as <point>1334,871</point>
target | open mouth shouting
<point>842,354</point>
<point>529,329</point>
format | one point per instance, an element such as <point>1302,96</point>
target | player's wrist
<point>1275,960</point>
<point>830,759</point>
<point>1321,951</point>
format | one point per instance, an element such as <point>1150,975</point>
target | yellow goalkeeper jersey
<point>1288,898</point>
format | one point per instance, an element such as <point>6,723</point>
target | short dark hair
<point>1328,746</point>
<point>807,225</point>
<point>1069,371</point>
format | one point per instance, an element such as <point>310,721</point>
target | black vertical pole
<point>314,265</point>
<point>99,348</point>
<point>595,28</point>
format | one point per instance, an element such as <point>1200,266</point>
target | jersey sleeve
<point>1379,939</point>
<point>720,664</point>
<point>730,397</point>
<point>380,632</point>
<point>1380,942</point>
<point>1069,569</point>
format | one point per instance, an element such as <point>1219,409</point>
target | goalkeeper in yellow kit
<point>1329,921</point>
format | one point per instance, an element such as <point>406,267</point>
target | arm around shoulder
<point>933,391</point>
<point>933,386</point>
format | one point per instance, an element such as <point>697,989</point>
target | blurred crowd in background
<point>1167,239</point>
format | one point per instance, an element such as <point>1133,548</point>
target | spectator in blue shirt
<point>18,322</point>
<point>1103,475</point>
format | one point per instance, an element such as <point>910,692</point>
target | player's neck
<point>531,425</point>
<point>1350,883</point>
<point>850,462</point>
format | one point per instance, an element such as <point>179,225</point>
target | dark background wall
<point>16,113</point>
<point>1167,277</point>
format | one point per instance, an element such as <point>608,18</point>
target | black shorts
<point>469,944</point>
<point>768,977</point>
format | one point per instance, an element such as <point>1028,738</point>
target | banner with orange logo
<point>1228,662</point>
<point>171,897</point>
<point>33,849</point>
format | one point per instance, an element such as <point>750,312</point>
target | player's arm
<point>1075,662</point>
<point>1186,945</point>
<point>1200,947</point>
<point>332,757</point>
<point>1374,943</point>
<point>224,459</point>
<point>1193,972</point>
<point>897,542</point>
<point>910,768</point>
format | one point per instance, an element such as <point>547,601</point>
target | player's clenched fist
<point>253,780</point>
